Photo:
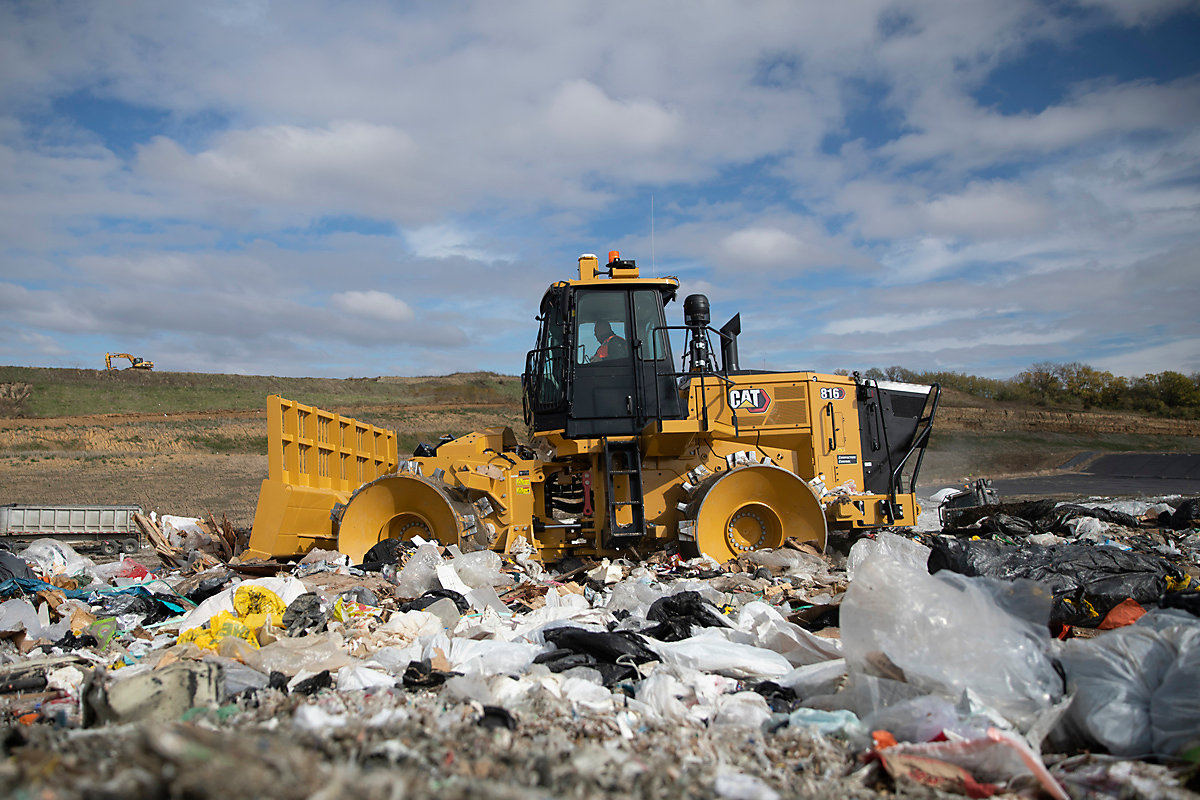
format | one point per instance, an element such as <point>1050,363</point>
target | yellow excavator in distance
<point>624,453</point>
<point>134,361</point>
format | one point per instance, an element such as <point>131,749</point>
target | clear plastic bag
<point>184,533</point>
<point>479,569</point>
<point>947,634</point>
<point>19,615</point>
<point>420,573</point>
<point>290,655</point>
<point>744,709</point>
<point>803,566</point>
<point>1135,688</point>
<point>890,546</point>
<point>713,653</point>
<point>764,626</point>
<point>52,557</point>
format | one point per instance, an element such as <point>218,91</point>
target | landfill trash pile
<point>1044,650</point>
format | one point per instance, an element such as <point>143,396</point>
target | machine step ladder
<point>623,457</point>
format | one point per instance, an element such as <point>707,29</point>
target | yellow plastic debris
<point>257,606</point>
<point>221,625</point>
<point>1179,584</point>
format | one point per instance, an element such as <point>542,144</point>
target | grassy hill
<point>77,392</point>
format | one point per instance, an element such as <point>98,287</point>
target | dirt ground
<point>164,462</point>
<point>188,485</point>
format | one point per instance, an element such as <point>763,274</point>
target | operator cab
<point>603,363</point>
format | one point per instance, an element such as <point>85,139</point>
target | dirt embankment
<point>185,463</point>
<point>955,418</point>
<point>194,463</point>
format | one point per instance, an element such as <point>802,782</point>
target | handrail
<point>920,441</point>
<point>722,375</point>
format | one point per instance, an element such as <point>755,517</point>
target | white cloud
<point>897,323</point>
<point>346,165</point>
<point>448,240</point>
<point>767,248</point>
<point>960,134</point>
<point>374,304</point>
<point>1140,12</point>
<point>582,117</point>
<point>986,209</point>
<point>528,132</point>
<point>1178,356</point>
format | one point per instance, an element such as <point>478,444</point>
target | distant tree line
<point>1074,385</point>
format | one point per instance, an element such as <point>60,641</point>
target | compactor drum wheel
<point>397,506</point>
<point>753,507</point>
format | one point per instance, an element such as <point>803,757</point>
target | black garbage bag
<point>1033,511</point>
<point>432,596</point>
<point>76,641</point>
<point>315,683</point>
<point>781,699</point>
<point>611,653</point>
<point>1008,525</point>
<point>14,567</point>
<point>1188,600</point>
<point>1066,512</point>
<point>1187,515</point>
<point>606,646</point>
<point>495,717</point>
<point>678,614</point>
<point>209,586</point>
<point>561,660</point>
<point>422,675</point>
<point>384,553</point>
<point>151,606</point>
<point>1085,581</point>
<point>305,615</point>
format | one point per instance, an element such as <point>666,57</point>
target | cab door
<point>620,381</point>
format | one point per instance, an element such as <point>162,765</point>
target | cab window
<point>602,330</point>
<point>648,315</point>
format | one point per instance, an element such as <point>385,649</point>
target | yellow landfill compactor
<point>624,453</point>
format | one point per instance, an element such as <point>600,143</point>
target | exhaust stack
<point>696,317</point>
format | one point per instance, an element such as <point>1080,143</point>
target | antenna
<point>652,269</point>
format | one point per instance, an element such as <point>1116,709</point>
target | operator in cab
<point>611,345</point>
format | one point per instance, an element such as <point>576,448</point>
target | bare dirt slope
<point>185,484</point>
<point>188,464</point>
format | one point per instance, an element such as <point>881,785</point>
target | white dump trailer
<point>109,528</point>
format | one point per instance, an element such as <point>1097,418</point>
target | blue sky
<point>377,188</point>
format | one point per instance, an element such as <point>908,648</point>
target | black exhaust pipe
<point>696,317</point>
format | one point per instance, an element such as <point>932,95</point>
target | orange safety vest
<point>602,352</point>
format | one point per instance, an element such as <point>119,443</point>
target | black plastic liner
<point>1086,581</point>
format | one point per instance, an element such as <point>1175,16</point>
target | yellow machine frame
<point>758,458</point>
